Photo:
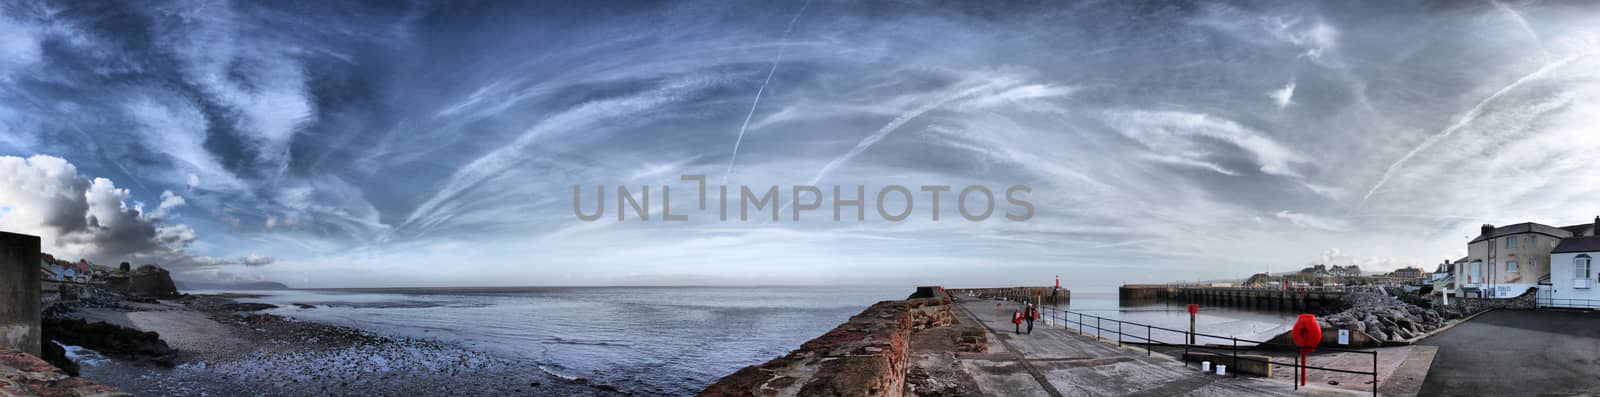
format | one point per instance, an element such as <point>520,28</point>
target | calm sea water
<point>666,340</point>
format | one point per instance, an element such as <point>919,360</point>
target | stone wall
<point>1462,307</point>
<point>868,355</point>
<point>24,375</point>
<point>19,291</point>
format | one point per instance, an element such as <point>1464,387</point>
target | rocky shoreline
<point>212,345</point>
<point>1388,320</point>
<point>1385,318</point>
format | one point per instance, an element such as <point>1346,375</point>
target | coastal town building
<point>1574,281</point>
<point>1507,261</point>
<point>1409,273</point>
<point>52,269</point>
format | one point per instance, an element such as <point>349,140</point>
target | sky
<point>350,144</point>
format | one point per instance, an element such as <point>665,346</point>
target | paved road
<point>1056,362</point>
<point>1517,352</point>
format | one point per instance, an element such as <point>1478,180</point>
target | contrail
<point>1521,22</point>
<point>783,44</point>
<point>889,128</point>
<point>1466,118</point>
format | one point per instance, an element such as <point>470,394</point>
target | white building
<point>1507,261</point>
<point>1574,280</point>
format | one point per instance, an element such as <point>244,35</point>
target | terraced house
<point>1507,261</point>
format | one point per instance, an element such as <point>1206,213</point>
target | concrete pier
<point>19,292</point>
<point>1054,361</point>
<point>1047,296</point>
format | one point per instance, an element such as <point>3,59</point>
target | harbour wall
<point>868,355</point>
<point>1045,296</point>
<point>1310,300</point>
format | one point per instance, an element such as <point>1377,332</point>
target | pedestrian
<point>1016,318</point>
<point>1030,315</point>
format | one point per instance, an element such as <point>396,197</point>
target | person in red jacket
<point>1030,315</point>
<point>1016,318</point>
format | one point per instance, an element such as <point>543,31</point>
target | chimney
<point>1487,228</point>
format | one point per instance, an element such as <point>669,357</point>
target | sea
<point>663,340</point>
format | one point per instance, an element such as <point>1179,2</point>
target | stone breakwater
<point>868,355</point>
<point>1382,318</point>
<point>1376,319</point>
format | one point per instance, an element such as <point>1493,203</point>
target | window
<point>1477,272</point>
<point>1511,266</point>
<point>1511,242</point>
<point>1531,241</point>
<point>1581,264</point>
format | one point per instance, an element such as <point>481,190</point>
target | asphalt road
<point>1517,353</point>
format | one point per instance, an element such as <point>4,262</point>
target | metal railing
<point>1149,341</point>
<point>1546,301</point>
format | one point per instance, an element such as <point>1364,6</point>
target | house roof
<point>1578,230</point>
<point>1585,244</point>
<point>1526,227</point>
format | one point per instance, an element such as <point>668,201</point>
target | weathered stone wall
<point>1462,307</point>
<point>19,291</point>
<point>868,355</point>
<point>24,375</point>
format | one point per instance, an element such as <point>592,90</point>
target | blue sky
<point>416,143</point>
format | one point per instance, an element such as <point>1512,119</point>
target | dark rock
<point>57,356</point>
<point>111,340</point>
<point>246,306</point>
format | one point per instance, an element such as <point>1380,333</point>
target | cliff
<point>147,280</point>
<point>232,286</point>
<point>868,355</point>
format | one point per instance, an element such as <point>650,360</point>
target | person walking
<point>1016,318</point>
<point>1030,315</point>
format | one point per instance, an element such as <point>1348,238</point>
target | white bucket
<point>1222,369</point>
<point>1205,366</point>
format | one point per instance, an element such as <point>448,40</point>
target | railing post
<point>1147,341</point>
<point>1097,328</point>
<point>1235,355</point>
<point>1374,374</point>
<point>1119,333</point>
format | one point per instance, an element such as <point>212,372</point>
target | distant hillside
<point>231,286</point>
